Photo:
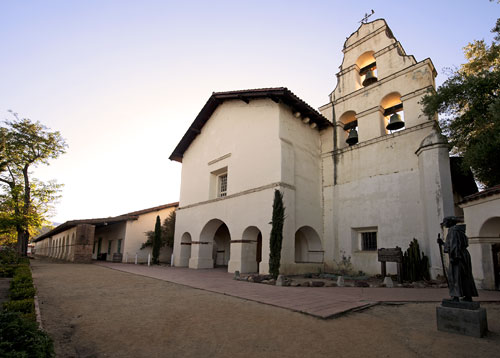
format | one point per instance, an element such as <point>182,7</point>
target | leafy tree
<point>157,241</point>
<point>469,103</point>
<point>25,201</point>
<point>276,238</point>
<point>167,233</point>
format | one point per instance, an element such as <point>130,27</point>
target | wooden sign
<point>390,255</point>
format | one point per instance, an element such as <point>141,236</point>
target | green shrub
<point>22,338</point>
<point>7,270</point>
<point>21,293</point>
<point>20,284</point>
<point>20,278</point>
<point>9,261</point>
<point>23,306</point>
<point>9,256</point>
<point>276,237</point>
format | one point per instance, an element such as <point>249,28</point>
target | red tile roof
<point>103,221</point>
<point>482,194</point>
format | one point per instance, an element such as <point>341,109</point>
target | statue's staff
<point>440,243</point>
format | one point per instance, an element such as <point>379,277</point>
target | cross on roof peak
<point>364,20</point>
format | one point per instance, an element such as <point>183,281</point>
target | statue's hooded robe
<point>460,280</point>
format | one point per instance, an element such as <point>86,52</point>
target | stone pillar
<point>201,255</point>
<point>435,192</point>
<point>413,108</point>
<point>84,242</point>
<point>371,124</point>
<point>182,259</point>
<point>243,256</point>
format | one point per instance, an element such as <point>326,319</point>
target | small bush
<point>21,278</point>
<point>21,293</point>
<point>23,306</point>
<point>9,256</point>
<point>22,338</point>
<point>7,270</point>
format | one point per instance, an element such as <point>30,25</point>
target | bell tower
<point>387,187</point>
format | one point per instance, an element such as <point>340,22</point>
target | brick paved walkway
<point>322,302</point>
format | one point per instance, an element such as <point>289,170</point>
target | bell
<point>369,78</point>
<point>395,122</point>
<point>352,138</point>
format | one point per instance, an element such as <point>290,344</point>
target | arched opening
<point>393,112</point>
<point>308,248</point>
<point>222,246</point>
<point>251,249</point>
<point>259,250</point>
<point>367,68</point>
<point>491,230</point>
<point>185,249</point>
<point>350,125</point>
<point>213,247</point>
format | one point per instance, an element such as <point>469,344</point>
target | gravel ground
<point>92,311</point>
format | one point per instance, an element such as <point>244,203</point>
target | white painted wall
<point>264,146</point>
<point>482,219</point>
<point>246,134</point>
<point>59,246</point>
<point>381,184</point>
<point>135,236</point>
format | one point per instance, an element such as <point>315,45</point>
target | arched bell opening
<point>393,112</point>
<point>185,252</point>
<point>350,126</point>
<point>367,65</point>
<point>308,248</point>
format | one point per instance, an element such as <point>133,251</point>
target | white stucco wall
<point>482,219</point>
<point>59,246</point>
<point>387,182</point>
<point>135,236</point>
<point>301,168</point>
<point>245,136</point>
<point>382,184</point>
<point>264,147</point>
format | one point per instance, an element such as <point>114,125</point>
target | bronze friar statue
<point>460,280</point>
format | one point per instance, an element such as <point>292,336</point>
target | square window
<point>369,241</point>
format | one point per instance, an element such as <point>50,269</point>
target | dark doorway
<point>222,246</point>
<point>259,250</point>
<point>496,267</point>
<point>100,256</point>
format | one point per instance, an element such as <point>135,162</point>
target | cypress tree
<point>276,234</point>
<point>157,241</point>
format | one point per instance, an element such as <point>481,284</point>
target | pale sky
<point>123,80</point>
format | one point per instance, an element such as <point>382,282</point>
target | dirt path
<point>91,311</point>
